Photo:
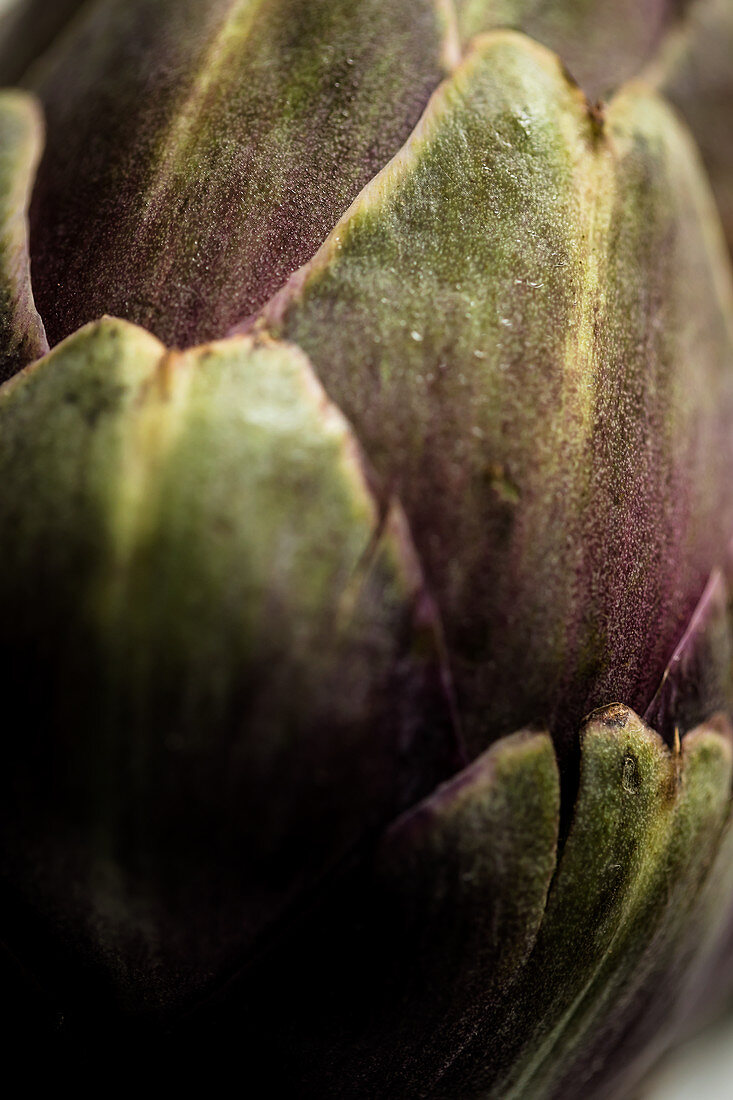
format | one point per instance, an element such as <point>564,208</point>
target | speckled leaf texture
<point>367,583</point>
<point>682,47</point>
<point>22,335</point>
<point>438,981</point>
<point>647,824</point>
<point>241,670</point>
<point>526,317</point>
<point>698,680</point>
<point>199,152</point>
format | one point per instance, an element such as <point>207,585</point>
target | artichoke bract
<point>223,577</point>
<point>573,409</point>
<point>234,135</point>
<point>366,442</point>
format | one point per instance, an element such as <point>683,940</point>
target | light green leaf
<point>241,670</point>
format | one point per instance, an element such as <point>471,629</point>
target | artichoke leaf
<point>447,917</point>
<point>22,335</point>
<point>387,980</point>
<point>242,672</point>
<point>601,44</point>
<point>198,153</point>
<point>698,681</point>
<point>526,316</point>
<point>694,70</point>
<point>614,946</point>
<point>455,972</point>
<point>465,877</point>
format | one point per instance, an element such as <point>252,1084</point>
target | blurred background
<point>701,1068</point>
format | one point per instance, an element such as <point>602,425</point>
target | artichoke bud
<point>242,669</point>
<point>364,581</point>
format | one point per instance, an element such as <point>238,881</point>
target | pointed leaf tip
<point>457,972</point>
<point>617,940</point>
<point>445,917</point>
<point>698,681</point>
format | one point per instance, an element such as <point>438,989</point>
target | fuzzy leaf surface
<point>199,152</point>
<point>614,946</point>
<point>242,673</point>
<point>527,318</point>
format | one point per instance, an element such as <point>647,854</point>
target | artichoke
<point>366,442</point>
